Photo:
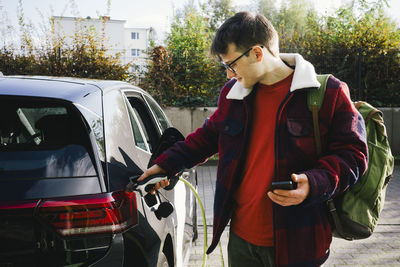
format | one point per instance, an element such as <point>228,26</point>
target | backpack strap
<point>373,113</point>
<point>315,98</point>
<point>336,220</point>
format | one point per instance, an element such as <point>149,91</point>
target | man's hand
<point>155,169</point>
<point>292,197</point>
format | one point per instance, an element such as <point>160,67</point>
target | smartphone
<point>285,185</point>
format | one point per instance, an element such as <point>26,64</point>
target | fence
<point>371,77</point>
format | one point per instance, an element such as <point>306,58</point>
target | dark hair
<point>244,30</point>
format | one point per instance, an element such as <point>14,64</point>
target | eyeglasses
<point>230,65</point>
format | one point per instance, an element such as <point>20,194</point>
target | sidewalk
<point>206,189</point>
<point>381,249</point>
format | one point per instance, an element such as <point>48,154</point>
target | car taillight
<point>10,206</point>
<point>91,214</point>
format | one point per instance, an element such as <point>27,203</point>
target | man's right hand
<point>155,169</point>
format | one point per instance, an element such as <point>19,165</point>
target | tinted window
<point>139,132</point>
<point>42,139</point>
<point>161,119</point>
<point>146,122</point>
<point>143,128</point>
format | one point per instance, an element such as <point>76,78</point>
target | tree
<point>216,12</point>
<point>183,73</point>
<point>353,43</point>
<point>269,10</point>
<point>158,79</point>
<point>85,57</point>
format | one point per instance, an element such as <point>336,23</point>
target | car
<point>69,148</point>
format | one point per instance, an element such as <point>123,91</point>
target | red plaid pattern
<point>302,233</point>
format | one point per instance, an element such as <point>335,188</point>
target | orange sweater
<point>252,218</point>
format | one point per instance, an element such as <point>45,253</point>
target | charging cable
<point>204,217</point>
<point>144,187</point>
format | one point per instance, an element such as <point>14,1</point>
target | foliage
<point>216,12</point>
<point>292,17</point>
<point>84,56</point>
<point>269,10</point>
<point>182,73</point>
<point>158,80</point>
<point>367,45</point>
<point>358,37</point>
<point>359,45</point>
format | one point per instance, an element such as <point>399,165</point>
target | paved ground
<point>381,249</point>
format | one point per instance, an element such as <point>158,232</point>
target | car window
<point>42,139</point>
<point>140,135</point>
<point>161,119</point>
<point>145,120</point>
<point>143,128</point>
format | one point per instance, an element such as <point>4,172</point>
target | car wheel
<point>162,261</point>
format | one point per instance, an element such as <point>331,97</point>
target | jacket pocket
<point>301,143</point>
<point>230,127</point>
<point>230,139</point>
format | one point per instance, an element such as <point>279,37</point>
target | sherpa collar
<point>304,77</point>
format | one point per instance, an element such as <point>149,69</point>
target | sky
<point>137,13</point>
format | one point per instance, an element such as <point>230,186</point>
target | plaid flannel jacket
<point>302,233</point>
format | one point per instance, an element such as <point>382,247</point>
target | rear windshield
<point>42,139</point>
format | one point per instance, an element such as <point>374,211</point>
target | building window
<point>135,52</point>
<point>135,35</point>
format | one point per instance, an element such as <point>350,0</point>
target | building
<point>133,43</point>
<point>137,42</point>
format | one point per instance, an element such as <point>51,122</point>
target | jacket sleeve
<point>199,145</point>
<point>195,149</point>
<point>346,153</point>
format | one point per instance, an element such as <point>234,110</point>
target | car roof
<point>66,88</point>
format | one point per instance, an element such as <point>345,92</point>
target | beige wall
<point>187,120</point>
<point>392,122</point>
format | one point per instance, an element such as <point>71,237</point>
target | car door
<point>152,120</point>
<point>127,153</point>
<point>146,133</point>
<point>185,201</point>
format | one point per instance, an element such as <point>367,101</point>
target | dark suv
<point>68,148</point>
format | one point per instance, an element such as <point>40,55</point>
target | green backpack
<point>355,213</point>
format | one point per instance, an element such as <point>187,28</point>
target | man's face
<point>243,65</point>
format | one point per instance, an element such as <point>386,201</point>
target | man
<point>263,132</point>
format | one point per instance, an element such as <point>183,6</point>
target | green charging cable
<point>204,218</point>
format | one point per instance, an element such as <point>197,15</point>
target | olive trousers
<point>242,253</point>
